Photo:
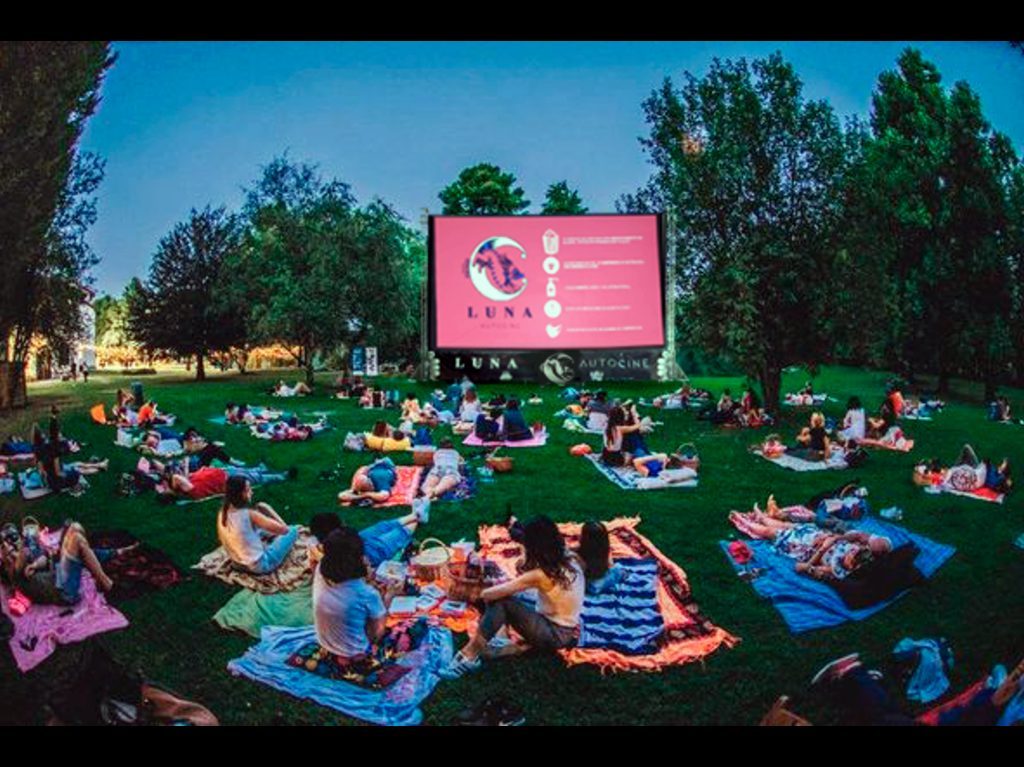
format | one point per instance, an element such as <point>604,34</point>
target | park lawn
<point>975,600</point>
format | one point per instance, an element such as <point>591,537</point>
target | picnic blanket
<point>250,612</point>
<point>795,400</point>
<point>398,704</point>
<point>902,444</point>
<point>806,604</point>
<point>836,460</point>
<point>579,426</point>
<point>38,632</point>
<point>687,635</point>
<point>628,478</point>
<point>538,440</point>
<point>292,573</point>
<point>141,571</point>
<point>981,494</point>
<point>32,487</point>
<point>404,491</point>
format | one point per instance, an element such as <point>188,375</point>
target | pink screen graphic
<point>547,282</point>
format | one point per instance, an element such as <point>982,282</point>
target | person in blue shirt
<point>374,482</point>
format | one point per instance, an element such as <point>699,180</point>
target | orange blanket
<point>689,635</point>
<point>404,491</point>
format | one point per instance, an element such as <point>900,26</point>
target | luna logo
<point>559,368</point>
<point>495,270</point>
<point>504,312</point>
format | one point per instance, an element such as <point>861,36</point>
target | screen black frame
<point>432,295</point>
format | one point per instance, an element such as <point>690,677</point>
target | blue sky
<point>186,124</point>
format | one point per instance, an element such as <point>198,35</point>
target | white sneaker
<point>460,666</point>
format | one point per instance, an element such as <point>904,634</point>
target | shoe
<point>835,670</point>
<point>422,510</point>
<point>460,666</point>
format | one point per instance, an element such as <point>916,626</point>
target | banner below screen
<point>547,282</point>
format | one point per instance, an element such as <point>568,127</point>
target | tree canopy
<point>483,189</point>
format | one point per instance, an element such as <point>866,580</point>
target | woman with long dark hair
<point>239,526</point>
<point>556,574</point>
<point>614,452</point>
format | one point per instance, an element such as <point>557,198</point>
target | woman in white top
<point>470,407</point>
<point>556,575</point>
<point>239,526</point>
<point>854,423</point>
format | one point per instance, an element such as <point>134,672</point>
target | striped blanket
<point>836,460</point>
<point>612,641</point>
<point>628,478</point>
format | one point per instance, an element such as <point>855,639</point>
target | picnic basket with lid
<point>499,462</point>
<point>430,564</point>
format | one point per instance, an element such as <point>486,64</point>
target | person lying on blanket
<point>919,408</point>
<point>179,481</point>
<point>372,483</point>
<point>814,444</point>
<point>53,578</point>
<point>818,553</point>
<point>255,538</point>
<point>854,426</point>
<point>445,474</point>
<point>15,446</point>
<point>381,540</point>
<point>57,475</point>
<point>556,573</point>
<point>969,473</point>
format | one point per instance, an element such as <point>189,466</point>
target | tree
<point>754,173</point>
<point>47,192</point>
<point>175,311</point>
<point>483,189</point>
<point>317,271</point>
<point>560,200</point>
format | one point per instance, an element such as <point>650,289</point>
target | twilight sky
<point>186,124</point>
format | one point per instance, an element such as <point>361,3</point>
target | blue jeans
<point>383,540</point>
<point>634,444</point>
<point>68,575</point>
<point>256,476</point>
<point>276,551</point>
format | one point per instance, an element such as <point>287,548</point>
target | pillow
<point>386,444</point>
<point>881,578</point>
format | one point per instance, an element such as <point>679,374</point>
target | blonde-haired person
<point>814,442</point>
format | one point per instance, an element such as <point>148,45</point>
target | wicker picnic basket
<point>499,462</point>
<point>687,456</point>
<point>464,583</point>
<point>431,564</point>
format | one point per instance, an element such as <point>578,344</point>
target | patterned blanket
<point>628,478</point>
<point>292,573</point>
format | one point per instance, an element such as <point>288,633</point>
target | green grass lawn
<point>975,600</point>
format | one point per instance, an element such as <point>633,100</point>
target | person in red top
<point>209,481</point>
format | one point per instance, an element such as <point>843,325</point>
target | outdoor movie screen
<point>546,282</point>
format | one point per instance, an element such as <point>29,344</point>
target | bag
<point>356,442</point>
<point>581,449</point>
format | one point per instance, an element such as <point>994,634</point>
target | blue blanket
<point>626,619</point>
<point>806,604</point>
<point>399,704</point>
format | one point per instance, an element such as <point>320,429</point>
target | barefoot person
<point>373,483</point>
<point>444,475</point>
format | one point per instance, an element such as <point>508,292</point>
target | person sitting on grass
<point>28,567</point>
<point>178,481</point>
<point>814,444</point>
<point>600,572</point>
<point>371,484</point>
<point>556,574</point>
<point>854,423</point>
<point>55,474</point>
<point>469,409</point>
<point>614,452</point>
<point>513,424</point>
<point>879,427</point>
<point>411,408</point>
<point>150,415</point>
<point>444,475</point>
<point>750,413</point>
<point>242,529</point>
<point>820,554</point>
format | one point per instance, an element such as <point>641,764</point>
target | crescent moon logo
<point>494,272</point>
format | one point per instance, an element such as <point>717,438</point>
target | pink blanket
<point>539,440</point>
<point>46,625</point>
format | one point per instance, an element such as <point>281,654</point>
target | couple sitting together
<point>624,445</point>
<point>559,576</point>
<point>375,483</point>
<point>503,424</point>
<point>746,412</point>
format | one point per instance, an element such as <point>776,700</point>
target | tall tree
<point>561,200</point>
<point>176,311</point>
<point>318,272</point>
<point>483,189</point>
<point>46,195</point>
<point>753,171</point>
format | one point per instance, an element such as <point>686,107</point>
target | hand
<point>802,567</point>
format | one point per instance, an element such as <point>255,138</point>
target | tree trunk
<point>200,368</point>
<point>12,385</point>
<point>771,387</point>
<point>242,360</point>
<point>309,371</point>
